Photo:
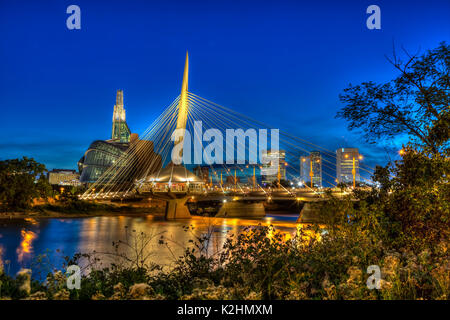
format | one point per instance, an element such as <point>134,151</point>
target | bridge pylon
<point>177,209</point>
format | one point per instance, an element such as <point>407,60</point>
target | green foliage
<point>261,263</point>
<point>73,205</point>
<point>414,198</point>
<point>78,206</point>
<point>18,186</point>
<point>415,103</point>
<point>10,287</point>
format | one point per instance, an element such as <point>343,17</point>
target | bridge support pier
<point>177,209</point>
<point>241,209</point>
<point>308,214</point>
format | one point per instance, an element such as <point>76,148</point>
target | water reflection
<point>26,245</point>
<point>22,240</point>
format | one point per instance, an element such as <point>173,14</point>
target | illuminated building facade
<point>281,156</point>
<point>311,164</point>
<point>102,154</point>
<point>64,177</point>
<point>98,158</point>
<point>120,131</point>
<point>346,159</point>
<point>304,169</point>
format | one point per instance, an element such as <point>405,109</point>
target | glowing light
<point>31,220</point>
<point>26,244</point>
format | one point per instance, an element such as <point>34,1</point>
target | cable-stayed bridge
<point>237,185</point>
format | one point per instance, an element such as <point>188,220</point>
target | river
<point>40,244</point>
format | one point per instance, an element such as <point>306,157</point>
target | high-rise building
<point>347,160</point>
<point>120,131</point>
<point>305,168</point>
<point>311,169</point>
<point>316,160</point>
<point>103,154</point>
<point>277,156</point>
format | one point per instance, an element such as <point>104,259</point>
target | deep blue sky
<point>283,63</point>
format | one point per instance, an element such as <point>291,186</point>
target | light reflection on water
<point>25,248</point>
<point>22,240</point>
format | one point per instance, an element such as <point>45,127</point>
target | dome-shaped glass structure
<point>98,158</point>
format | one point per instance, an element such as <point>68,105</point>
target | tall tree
<point>415,103</point>
<point>18,182</point>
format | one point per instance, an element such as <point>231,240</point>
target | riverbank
<point>53,214</point>
<point>81,210</point>
<point>261,264</point>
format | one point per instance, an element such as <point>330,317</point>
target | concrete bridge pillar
<point>308,214</point>
<point>177,209</point>
<point>236,209</point>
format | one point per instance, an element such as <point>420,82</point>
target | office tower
<point>311,169</point>
<point>347,164</point>
<point>280,157</point>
